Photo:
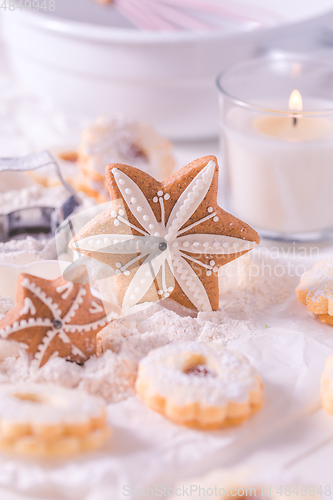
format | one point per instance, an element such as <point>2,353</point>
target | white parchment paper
<point>290,356</point>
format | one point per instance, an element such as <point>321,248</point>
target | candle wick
<point>294,121</point>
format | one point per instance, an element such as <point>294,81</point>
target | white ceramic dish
<point>86,57</point>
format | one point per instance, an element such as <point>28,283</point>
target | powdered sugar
<point>125,341</point>
<point>27,250</point>
<point>110,376</point>
<point>112,141</point>
<point>122,140</point>
<point>30,249</point>
<point>6,304</point>
<point>55,404</point>
<point>318,282</point>
<point>32,196</point>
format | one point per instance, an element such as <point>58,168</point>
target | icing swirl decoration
<point>54,318</point>
<point>169,238</point>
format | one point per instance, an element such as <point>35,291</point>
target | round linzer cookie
<point>166,239</point>
<point>54,318</point>
<point>40,420</point>
<point>315,290</point>
<point>199,385</point>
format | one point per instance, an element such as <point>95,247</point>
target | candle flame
<point>295,101</point>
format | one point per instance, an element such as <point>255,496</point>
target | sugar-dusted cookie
<point>166,239</point>
<point>54,318</point>
<point>198,384</point>
<point>43,420</point>
<point>121,141</point>
<point>327,386</point>
<point>316,290</point>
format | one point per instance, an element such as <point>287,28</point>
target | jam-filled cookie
<point>200,385</point>
<point>45,420</point>
<point>121,141</point>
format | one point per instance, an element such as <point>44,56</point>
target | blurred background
<point>153,61</point>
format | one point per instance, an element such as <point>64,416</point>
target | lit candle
<point>279,165</point>
<point>293,128</point>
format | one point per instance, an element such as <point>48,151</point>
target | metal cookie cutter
<point>34,220</point>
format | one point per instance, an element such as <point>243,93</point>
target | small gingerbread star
<point>54,318</point>
<point>166,239</point>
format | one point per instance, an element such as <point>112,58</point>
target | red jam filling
<point>199,371</point>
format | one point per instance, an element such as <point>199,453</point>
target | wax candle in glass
<point>277,142</point>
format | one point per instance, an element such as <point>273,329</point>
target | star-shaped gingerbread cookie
<point>54,318</point>
<point>165,239</point>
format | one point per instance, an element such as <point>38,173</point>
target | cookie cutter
<point>35,219</point>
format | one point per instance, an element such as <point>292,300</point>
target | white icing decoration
<point>67,288</point>
<point>190,199</point>
<point>32,287</point>
<point>76,352</point>
<point>192,284</point>
<point>85,328</point>
<point>42,348</point>
<point>140,199</point>
<point>127,244</point>
<point>148,269</point>
<point>75,306</point>
<point>16,326</point>
<point>28,306</point>
<point>213,244</point>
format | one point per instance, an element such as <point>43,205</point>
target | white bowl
<point>86,57</point>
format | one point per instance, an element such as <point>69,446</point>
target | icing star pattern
<point>171,234</point>
<point>54,318</point>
